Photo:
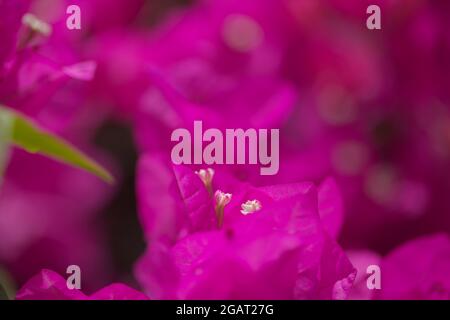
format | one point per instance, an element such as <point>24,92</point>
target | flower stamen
<point>250,206</point>
<point>207,177</point>
<point>35,27</point>
<point>221,200</point>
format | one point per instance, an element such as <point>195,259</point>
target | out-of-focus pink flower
<point>45,76</point>
<point>49,285</point>
<point>94,21</point>
<point>245,236</point>
<point>418,269</point>
<point>214,47</point>
<point>346,106</point>
<point>221,54</point>
<point>11,14</point>
<point>42,220</point>
<point>123,84</point>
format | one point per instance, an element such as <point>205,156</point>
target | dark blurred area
<point>119,218</point>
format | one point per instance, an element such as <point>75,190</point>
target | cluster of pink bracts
<point>364,119</point>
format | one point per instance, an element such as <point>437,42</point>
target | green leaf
<point>3,295</point>
<point>29,136</point>
<point>7,287</point>
<point>5,135</point>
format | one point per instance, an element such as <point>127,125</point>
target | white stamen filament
<point>207,177</point>
<point>221,199</point>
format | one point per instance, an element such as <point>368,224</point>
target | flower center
<point>250,206</point>
<point>221,200</point>
<point>206,176</point>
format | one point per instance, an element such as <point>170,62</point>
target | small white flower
<point>250,206</point>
